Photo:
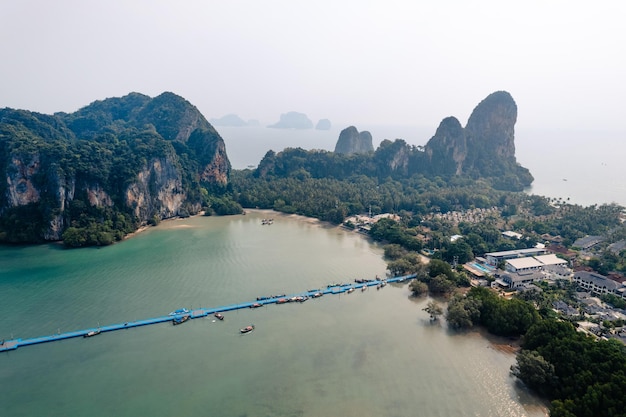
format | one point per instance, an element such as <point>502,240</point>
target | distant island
<point>293,120</point>
<point>232,120</point>
<point>323,124</point>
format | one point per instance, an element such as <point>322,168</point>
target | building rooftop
<point>617,247</point>
<point>551,259</point>
<point>587,241</point>
<point>516,252</point>
<point>524,276</point>
<point>524,263</point>
<point>511,234</point>
<point>597,280</point>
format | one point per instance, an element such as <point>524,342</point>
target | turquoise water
<point>481,267</point>
<point>369,353</point>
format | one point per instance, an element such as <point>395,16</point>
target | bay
<point>372,353</point>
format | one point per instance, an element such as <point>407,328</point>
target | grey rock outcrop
<point>230,120</point>
<point>484,148</point>
<point>351,141</point>
<point>293,120</point>
<point>323,124</point>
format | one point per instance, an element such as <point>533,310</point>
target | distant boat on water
<point>247,329</point>
<point>92,333</point>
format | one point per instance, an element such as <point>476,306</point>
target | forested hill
<point>91,176</point>
<point>484,149</point>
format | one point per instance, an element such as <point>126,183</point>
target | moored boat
<point>181,319</point>
<point>219,316</point>
<point>92,333</point>
<point>256,305</point>
<point>179,311</point>
<point>247,329</point>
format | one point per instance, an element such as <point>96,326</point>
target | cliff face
<point>491,126</point>
<point>157,190</point>
<point>447,150</point>
<point>351,141</point>
<point>135,157</point>
<point>484,148</point>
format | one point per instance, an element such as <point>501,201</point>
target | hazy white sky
<point>352,61</point>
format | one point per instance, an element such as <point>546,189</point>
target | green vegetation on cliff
<point>92,176</point>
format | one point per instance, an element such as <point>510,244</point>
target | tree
<point>463,312</point>
<point>441,285</point>
<point>434,309</point>
<point>418,287</point>
<point>535,371</point>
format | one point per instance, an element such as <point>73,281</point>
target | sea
<point>372,353</point>
<point>579,167</point>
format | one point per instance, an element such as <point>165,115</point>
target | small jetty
<point>183,315</point>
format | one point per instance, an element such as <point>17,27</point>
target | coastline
<point>147,227</point>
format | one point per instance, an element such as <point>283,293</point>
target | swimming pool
<point>481,267</point>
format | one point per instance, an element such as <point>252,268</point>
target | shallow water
<point>369,353</point>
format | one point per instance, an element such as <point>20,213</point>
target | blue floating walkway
<point>13,344</point>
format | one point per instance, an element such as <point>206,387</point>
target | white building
<point>493,258</point>
<point>522,265</point>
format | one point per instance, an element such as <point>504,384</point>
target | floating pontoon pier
<point>13,344</point>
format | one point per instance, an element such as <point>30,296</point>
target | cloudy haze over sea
<point>362,63</point>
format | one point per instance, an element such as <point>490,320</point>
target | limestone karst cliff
<point>109,167</point>
<point>352,141</point>
<point>484,149</point>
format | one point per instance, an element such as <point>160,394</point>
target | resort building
<point>512,235</point>
<point>518,280</point>
<point>587,242</point>
<point>522,265</point>
<point>521,272</point>
<point>599,284</point>
<point>494,258</point>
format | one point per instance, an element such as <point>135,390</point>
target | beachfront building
<point>494,258</point>
<point>363,223</point>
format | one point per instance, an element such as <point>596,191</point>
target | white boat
<point>92,333</point>
<point>247,329</point>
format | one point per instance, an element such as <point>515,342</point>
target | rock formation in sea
<point>293,120</point>
<point>352,141</point>
<point>134,158</point>
<point>230,120</point>
<point>323,124</point>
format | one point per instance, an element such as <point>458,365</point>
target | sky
<point>409,63</point>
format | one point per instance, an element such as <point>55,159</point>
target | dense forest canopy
<point>92,176</point>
